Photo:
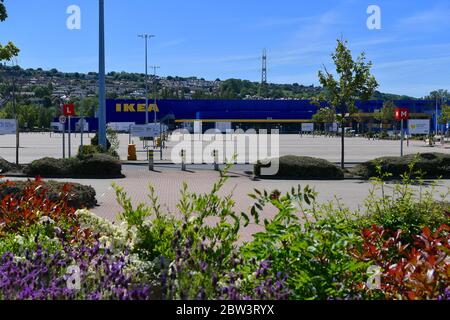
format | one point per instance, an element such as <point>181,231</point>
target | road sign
<point>146,131</point>
<point>419,126</point>
<point>69,110</point>
<point>401,114</point>
<point>7,126</point>
<point>307,127</point>
<point>62,119</point>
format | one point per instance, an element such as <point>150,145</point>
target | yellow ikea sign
<point>133,107</point>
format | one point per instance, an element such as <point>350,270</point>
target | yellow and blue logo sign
<point>135,107</point>
<point>128,110</point>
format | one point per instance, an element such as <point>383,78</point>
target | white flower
<point>19,240</point>
<point>46,219</point>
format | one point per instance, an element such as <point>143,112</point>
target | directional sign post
<point>69,111</point>
<point>62,120</point>
<point>401,114</point>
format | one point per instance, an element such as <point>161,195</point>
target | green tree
<point>387,113</point>
<point>438,95</point>
<point>8,51</point>
<point>325,115</point>
<point>354,82</point>
<point>445,117</point>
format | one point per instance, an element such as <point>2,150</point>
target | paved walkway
<point>168,183</point>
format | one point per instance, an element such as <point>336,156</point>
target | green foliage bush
<point>88,150</point>
<point>79,196</point>
<point>5,166</point>
<point>99,165</point>
<point>307,250</point>
<point>431,165</point>
<point>93,165</point>
<point>303,168</point>
<point>51,167</point>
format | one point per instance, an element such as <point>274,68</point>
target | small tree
<point>354,82</point>
<point>113,138</point>
<point>445,117</point>
<point>10,50</point>
<point>325,115</point>
<point>387,113</point>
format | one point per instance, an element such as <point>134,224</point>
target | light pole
<point>437,110</point>
<point>16,118</point>
<point>154,90</point>
<point>101,78</point>
<point>146,36</point>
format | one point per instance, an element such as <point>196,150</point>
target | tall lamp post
<point>101,78</point>
<point>154,91</point>
<point>437,112</point>
<point>146,36</point>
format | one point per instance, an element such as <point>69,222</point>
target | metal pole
<point>64,140</point>
<point>216,160</point>
<point>183,160</point>
<point>146,79</point>
<point>436,120</point>
<point>151,162</point>
<point>154,92</point>
<point>402,138</point>
<point>82,129</point>
<point>146,37</point>
<point>101,74</point>
<point>17,120</point>
<point>70,143</point>
<point>160,141</point>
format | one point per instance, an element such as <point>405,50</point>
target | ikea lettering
<point>135,107</point>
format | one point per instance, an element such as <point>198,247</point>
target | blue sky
<point>224,39</point>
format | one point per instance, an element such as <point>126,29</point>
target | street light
<point>154,89</point>
<point>101,78</point>
<point>146,36</point>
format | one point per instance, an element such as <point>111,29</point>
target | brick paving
<point>168,184</point>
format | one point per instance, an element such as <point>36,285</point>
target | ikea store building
<point>286,115</point>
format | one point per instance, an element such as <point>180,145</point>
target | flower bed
<point>397,248</point>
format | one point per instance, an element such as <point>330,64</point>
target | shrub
<point>19,211</point>
<point>94,142</point>
<point>420,271</point>
<point>51,167</point>
<point>79,196</point>
<point>303,168</point>
<point>313,251</point>
<point>197,253</point>
<point>45,275</point>
<point>99,165</point>
<point>88,150</point>
<point>5,166</point>
<point>431,165</point>
<point>94,165</point>
<point>404,208</point>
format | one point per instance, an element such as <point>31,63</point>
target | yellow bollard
<point>132,155</point>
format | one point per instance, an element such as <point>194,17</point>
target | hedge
<point>80,196</point>
<point>5,166</point>
<point>433,165</point>
<point>92,166</point>
<point>303,168</point>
